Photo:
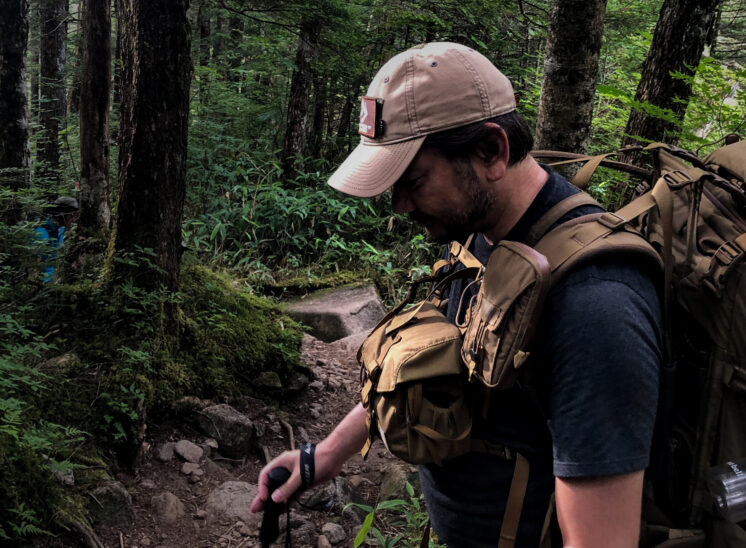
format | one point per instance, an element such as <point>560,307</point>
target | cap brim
<point>371,169</point>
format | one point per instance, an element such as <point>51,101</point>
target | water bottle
<point>727,483</point>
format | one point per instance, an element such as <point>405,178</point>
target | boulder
<point>232,430</point>
<point>334,314</point>
<point>231,501</point>
<point>167,506</point>
<point>111,505</point>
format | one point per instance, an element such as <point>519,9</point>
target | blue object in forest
<point>53,236</point>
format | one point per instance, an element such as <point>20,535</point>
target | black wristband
<point>307,465</point>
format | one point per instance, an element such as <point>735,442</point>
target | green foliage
<point>395,523</point>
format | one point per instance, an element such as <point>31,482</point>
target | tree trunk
<point>678,41</point>
<point>34,23</point>
<point>95,213</point>
<point>73,92</point>
<point>203,51</point>
<point>152,143</point>
<point>52,84</point>
<point>300,87</point>
<point>319,109</point>
<point>117,64</point>
<point>570,74</point>
<point>15,158</point>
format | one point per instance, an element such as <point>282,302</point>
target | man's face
<point>444,196</point>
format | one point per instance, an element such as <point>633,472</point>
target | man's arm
<point>602,511</point>
<point>345,440</point>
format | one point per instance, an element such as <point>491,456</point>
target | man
<point>61,216</point>
<point>440,129</point>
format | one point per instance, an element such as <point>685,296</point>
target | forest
<point>163,171</point>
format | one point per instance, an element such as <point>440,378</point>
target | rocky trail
<point>194,484</point>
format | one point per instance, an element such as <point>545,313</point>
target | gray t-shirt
<point>592,403</point>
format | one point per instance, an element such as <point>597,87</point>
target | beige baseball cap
<point>426,89</point>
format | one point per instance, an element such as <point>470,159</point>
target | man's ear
<point>494,151</point>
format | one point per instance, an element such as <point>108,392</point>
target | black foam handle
<point>270,529</point>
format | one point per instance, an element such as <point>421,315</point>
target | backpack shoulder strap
<point>555,213</point>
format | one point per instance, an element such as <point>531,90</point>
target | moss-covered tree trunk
<point>153,143</point>
<point>95,213</point>
<point>678,41</point>
<point>300,88</point>
<point>15,158</point>
<point>570,74</point>
<point>52,88</point>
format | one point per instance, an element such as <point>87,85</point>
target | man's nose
<point>401,201</point>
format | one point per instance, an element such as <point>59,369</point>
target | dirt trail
<point>331,394</point>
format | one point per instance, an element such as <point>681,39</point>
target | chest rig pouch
<point>414,384</point>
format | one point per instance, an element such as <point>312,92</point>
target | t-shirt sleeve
<point>602,335</point>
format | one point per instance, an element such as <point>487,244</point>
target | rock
<point>213,444</point>
<point>64,477</point>
<point>242,529</point>
<point>302,530</point>
<point>323,542</point>
<point>148,484</point>
<point>232,430</point>
<point>188,451</point>
<point>167,506</point>
<point>145,541</point>
<point>315,413</point>
<point>334,532</point>
<point>232,500</point>
<point>395,476</point>
<point>338,313</point>
<point>351,342</point>
<point>214,470</point>
<point>269,379</point>
<point>64,361</point>
<point>111,505</point>
<point>166,451</point>
<point>302,434</point>
<point>189,468</point>
<point>316,385</point>
<point>332,496</point>
<point>200,514</point>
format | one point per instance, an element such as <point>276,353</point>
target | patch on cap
<point>371,121</point>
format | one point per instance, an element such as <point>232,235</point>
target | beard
<point>460,222</point>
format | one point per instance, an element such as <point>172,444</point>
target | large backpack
<point>693,211</point>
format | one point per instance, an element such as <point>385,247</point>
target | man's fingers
<point>282,493</point>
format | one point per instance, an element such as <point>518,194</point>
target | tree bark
<point>300,88</point>
<point>319,109</point>
<point>73,92</point>
<point>52,86</point>
<point>152,143</point>
<point>203,50</point>
<point>678,41</point>
<point>95,85</point>
<point>570,74</point>
<point>15,158</point>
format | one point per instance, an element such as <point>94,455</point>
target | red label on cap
<point>367,125</point>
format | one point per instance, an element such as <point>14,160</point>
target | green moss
<point>229,337</point>
<point>301,284</point>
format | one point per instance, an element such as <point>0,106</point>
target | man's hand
<point>603,511</point>
<point>331,454</point>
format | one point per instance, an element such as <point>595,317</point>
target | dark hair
<point>462,141</point>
